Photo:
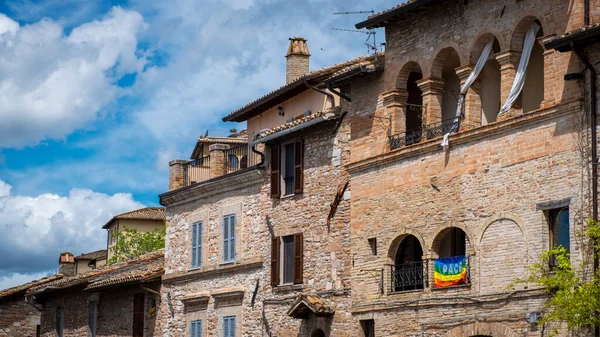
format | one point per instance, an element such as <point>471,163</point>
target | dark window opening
<point>368,327</point>
<point>287,259</point>
<point>453,243</point>
<point>60,321</point>
<point>408,265</point>
<point>559,230</point>
<point>138,315</point>
<point>288,169</point>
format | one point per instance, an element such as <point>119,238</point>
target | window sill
<point>228,263</point>
<point>287,196</point>
<point>288,287</point>
<point>461,286</point>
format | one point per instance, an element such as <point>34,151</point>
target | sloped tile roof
<point>23,287</point>
<point>583,36</point>
<point>330,114</point>
<point>148,213</point>
<point>378,19</point>
<point>291,89</point>
<point>313,303</point>
<point>145,267</point>
<point>99,254</point>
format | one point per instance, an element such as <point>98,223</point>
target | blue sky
<point>97,96</point>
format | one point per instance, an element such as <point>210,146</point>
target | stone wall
<point>17,318</point>
<point>115,311</point>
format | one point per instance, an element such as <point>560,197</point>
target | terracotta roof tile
<point>305,303</point>
<point>99,254</point>
<point>27,286</point>
<point>145,267</point>
<point>377,19</point>
<point>332,113</point>
<point>316,74</point>
<point>148,213</point>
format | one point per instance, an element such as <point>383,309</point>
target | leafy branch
<point>131,243</point>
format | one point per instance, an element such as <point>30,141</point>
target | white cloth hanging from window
<point>483,58</point>
<point>485,55</point>
<point>519,82</point>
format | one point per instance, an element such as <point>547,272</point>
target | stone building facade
<point>494,197</point>
<point>115,300</point>
<point>291,271</point>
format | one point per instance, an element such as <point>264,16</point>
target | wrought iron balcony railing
<point>428,131</point>
<point>202,169</point>
<point>409,276</point>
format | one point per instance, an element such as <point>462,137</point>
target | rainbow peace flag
<point>450,271</point>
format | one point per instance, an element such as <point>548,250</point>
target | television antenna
<point>355,12</point>
<point>372,46</point>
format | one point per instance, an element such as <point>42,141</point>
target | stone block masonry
<point>17,318</point>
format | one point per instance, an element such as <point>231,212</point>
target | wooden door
<point>138,315</point>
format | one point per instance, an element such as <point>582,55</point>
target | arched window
<point>487,85</point>
<point>408,265</point>
<point>451,86</point>
<point>532,95</point>
<point>452,268</point>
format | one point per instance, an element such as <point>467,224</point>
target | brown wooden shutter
<point>298,258</point>
<point>275,172</point>
<point>298,167</point>
<point>275,246</point>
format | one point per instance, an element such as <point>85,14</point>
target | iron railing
<point>240,157</point>
<point>409,276</point>
<point>196,171</point>
<point>428,131</point>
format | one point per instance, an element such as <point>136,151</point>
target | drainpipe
<point>586,12</point>
<point>593,125</point>
<point>253,148</point>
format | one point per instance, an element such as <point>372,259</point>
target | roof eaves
<point>581,35</point>
<point>379,19</point>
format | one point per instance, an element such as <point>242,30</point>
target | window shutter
<point>225,239</point>
<point>193,332</point>
<point>275,172</point>
<point>194,248</point>
<point>275,261</point>
<point>298,258</point>
<point>232,226</point>
<point>298,167</point>
<point>232,326</point>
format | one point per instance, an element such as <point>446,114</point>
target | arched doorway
<point>408,265</point>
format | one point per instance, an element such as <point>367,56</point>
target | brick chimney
<point>297,59</point>
<point>66,264</point>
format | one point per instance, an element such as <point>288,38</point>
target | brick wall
<point>17,318</point>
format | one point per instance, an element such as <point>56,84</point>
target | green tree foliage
<point>575,292</point>
<point>132,243</point>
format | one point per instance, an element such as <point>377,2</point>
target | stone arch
<point>443,68</point>
<point>503,255</point>
<point>482,329</point>
<point>518,33</point>
<point>441,55</point>
<point>404,73</point>
<point>480,42</point>
<point>508,216</point>
<point>443,229</point>
<point>395,243</point>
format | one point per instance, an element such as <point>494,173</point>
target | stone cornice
<point>443,299</point>
<point>220,185</point>
<point>466,136</point>
<point>203,273</point>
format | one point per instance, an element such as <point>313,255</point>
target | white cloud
<point>52,84</point>
<point>35,229</point>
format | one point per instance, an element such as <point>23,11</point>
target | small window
<point>229,326</point>
<point>196,328</point>
<point>368,327</point>
<point>232,162</point>
<point>93,318</point>
<point>229,238</point>
<point>288,169</point>
<point>197,244</point>
<point>60,321</point>
<point>287,260</point>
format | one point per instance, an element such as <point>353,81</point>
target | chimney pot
<point>66,264</point>
<point>297,57</point>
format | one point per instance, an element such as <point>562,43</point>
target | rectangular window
<point>368,327</point>
<point>559,228</point>
<point>287,260</point>
<point>60,322</point>
<point>197,244</point>
<point>196,328</point>
<point>93,318</point>
<point>229,326</point>
<point>287,176</point>
<point>229,238</point>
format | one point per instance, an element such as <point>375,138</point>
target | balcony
<point>447,273</point>
<point>425,132</point>
<point>221,162</point>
